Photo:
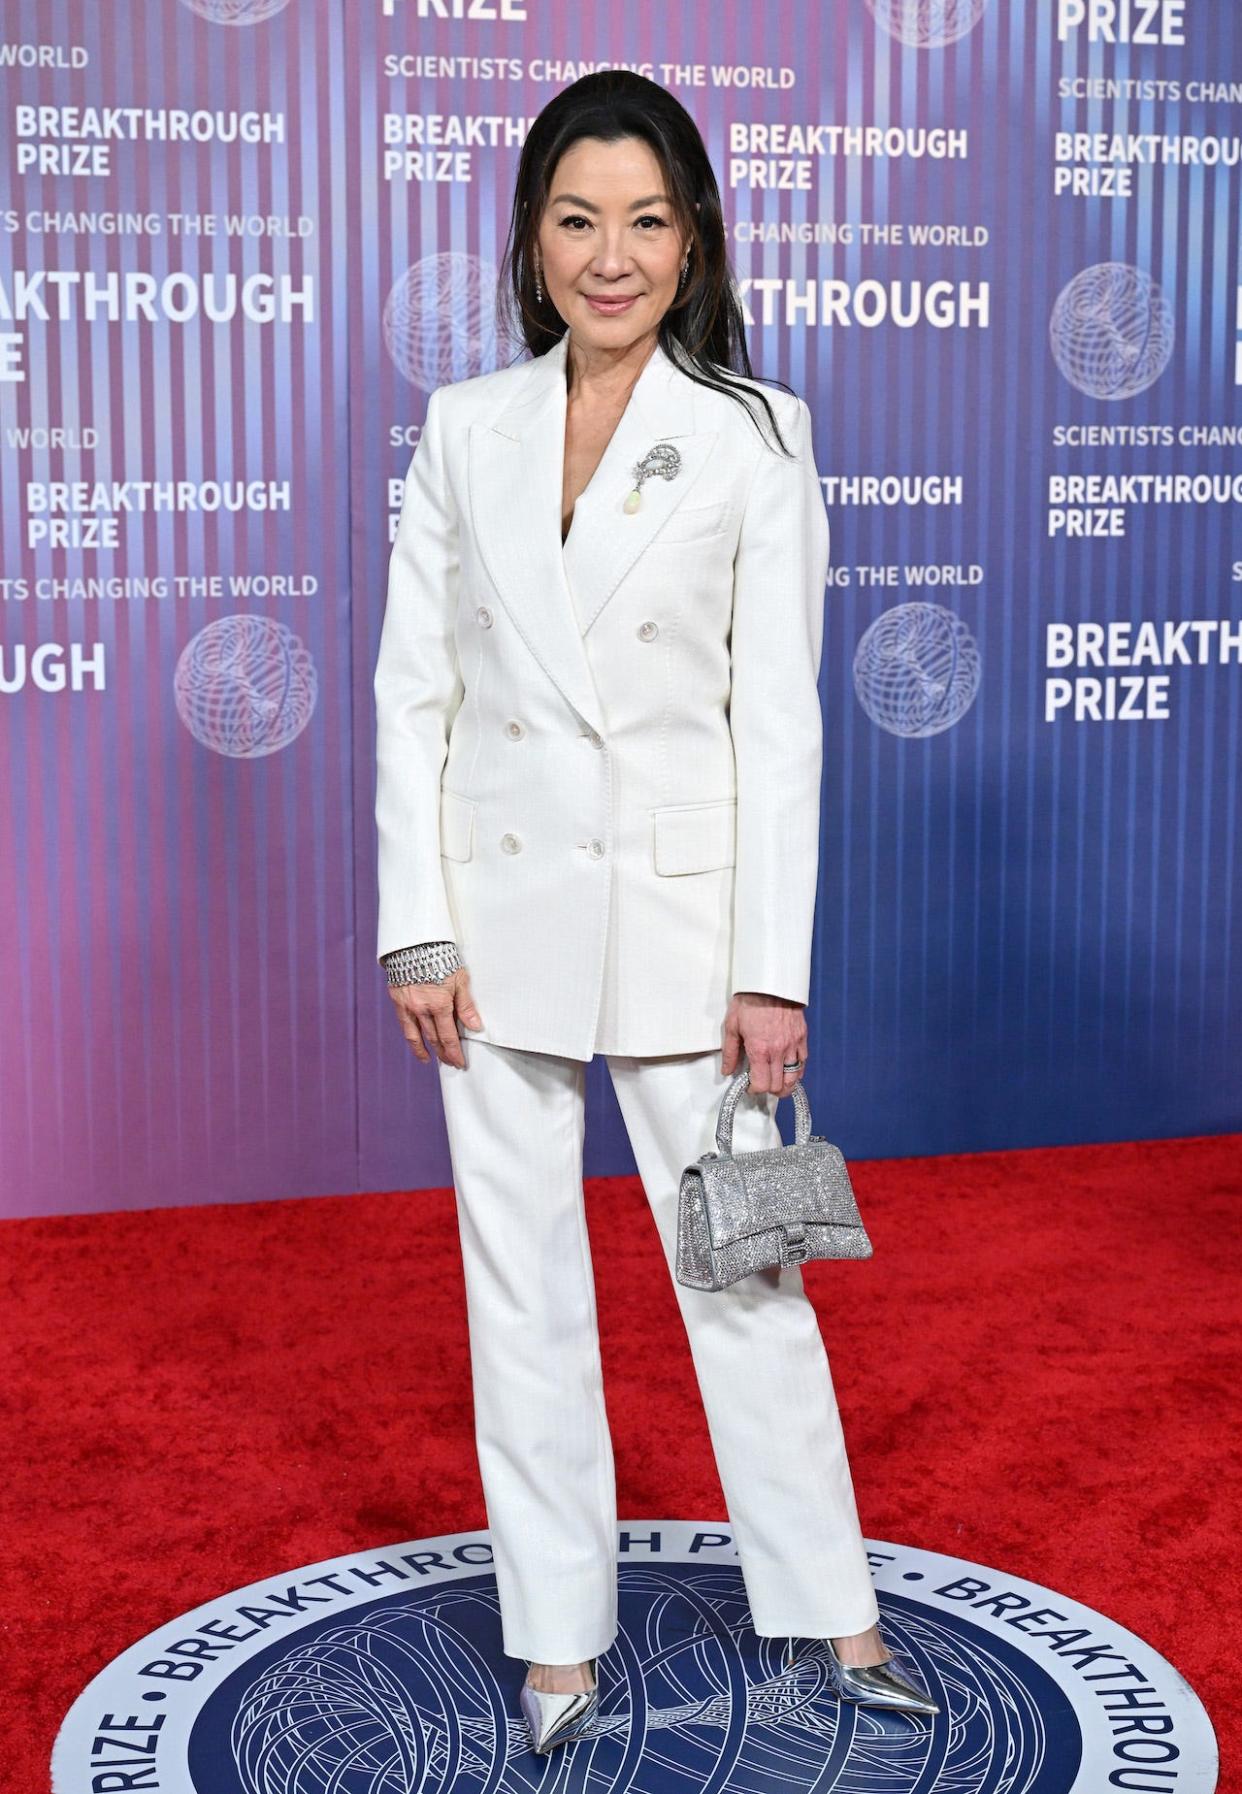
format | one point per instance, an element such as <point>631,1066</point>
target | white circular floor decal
<point>382,1673</point>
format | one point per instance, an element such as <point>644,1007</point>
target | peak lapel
<point>606,540</point>
<point>515,466</point>
<point>516,463</point>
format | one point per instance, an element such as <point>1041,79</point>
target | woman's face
<point>608,231</point>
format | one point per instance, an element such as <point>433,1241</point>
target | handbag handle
<point>728,1103</point>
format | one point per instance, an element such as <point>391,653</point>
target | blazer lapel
<point>516,463</point>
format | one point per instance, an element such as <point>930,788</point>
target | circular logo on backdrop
<point>1112,331</point>
<point>916,669</point>
<point>382,1673</point>
<point>928,24</point>
<point>236,12</point>
<point>440,322</point>
<point>245,686</point>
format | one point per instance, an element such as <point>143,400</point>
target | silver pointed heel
<point>876,1684</point>
<point>554,1719</point>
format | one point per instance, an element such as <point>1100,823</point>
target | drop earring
<point>538,288</point>
<point>685,264</point>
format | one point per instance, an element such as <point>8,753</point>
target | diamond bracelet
<point>429,963</point>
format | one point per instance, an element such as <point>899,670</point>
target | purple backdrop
<point>1025,915</point>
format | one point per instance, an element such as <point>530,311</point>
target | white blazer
<point>598,766</point>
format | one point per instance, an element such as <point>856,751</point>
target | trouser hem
<point>842,1625</point>
<point>543,1650</point>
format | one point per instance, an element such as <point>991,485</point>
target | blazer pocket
<point>691,523</point>
<point>695,837</point>
<point>456,825</point>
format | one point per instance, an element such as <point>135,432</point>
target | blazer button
<point>484,616</point>
<point>648,630</point>
<point>514,729</point>
<point>511,844</point>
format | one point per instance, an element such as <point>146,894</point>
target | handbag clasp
<point>795,1247</point>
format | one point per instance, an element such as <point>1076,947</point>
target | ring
<point>795,1065</point>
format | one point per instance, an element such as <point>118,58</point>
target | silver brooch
<point>662,459</point>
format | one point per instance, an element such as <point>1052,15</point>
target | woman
<point>599,752</point>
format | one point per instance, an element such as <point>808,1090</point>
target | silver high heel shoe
<point>875,1684</point>
<point>558,1718</point>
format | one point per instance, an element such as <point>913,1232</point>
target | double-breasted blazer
<point>598,764</point>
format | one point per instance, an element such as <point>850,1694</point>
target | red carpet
<point>1038,1370</point>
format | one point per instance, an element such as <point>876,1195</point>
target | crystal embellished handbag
<point>737,1213</point>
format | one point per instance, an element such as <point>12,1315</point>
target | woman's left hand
<point>769,1030</point>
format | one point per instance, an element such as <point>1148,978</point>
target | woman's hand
<point>769,1030</point>
<point>430,1011</point>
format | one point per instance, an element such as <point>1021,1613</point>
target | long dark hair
<point>702,330</point>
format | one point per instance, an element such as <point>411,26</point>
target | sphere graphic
<point>916,669</point>
<point>236,12</point>
<point>405,1698</point>
<point>440,320</point>
<point>394,1701</point>
<point>245,686</point>
<point>927,24</point>
<point>1112,331</point>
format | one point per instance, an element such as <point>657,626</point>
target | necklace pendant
<point>633,500</point>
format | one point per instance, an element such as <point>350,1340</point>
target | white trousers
<point>515,1122</point>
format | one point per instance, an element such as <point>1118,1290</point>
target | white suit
<point>598,767</point>
<point>598,773</point>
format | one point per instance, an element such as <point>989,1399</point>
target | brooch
<point>662,459</point>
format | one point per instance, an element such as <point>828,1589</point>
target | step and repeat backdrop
<point>995,245</point>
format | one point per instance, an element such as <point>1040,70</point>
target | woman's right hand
<point>429,1012</point>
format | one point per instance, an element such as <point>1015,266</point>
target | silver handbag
<point>779,1206</point>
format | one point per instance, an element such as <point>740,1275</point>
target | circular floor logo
<point>382,1673</point>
